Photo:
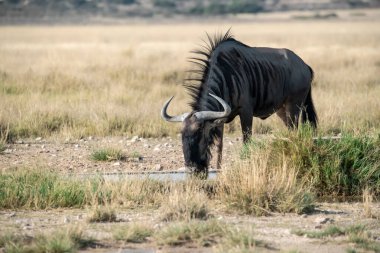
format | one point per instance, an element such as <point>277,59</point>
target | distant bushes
<point>213,7</point>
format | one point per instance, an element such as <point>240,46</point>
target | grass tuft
<point>237,239</point>
<point>254,186</point>
<point>40,189</point>
<point>107,154</point>
<point>102,214</point>
<point>134,233</point>
<point>196,233</point>
<point>185,202</point>
<point>341,167</point>
<point>356,234</point>
<point>68,241</point>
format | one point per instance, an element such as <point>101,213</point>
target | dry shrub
<point>185,202</point>
<point>255,187</point>
<point>368,204</point>
<point>134,233</point>
<point>102,214</point>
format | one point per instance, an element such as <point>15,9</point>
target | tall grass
<point>284,174</point>
<point>41,189</point>
<point>333,167</point>
<point>52,82</point>
<point>186,201</point>
<point>254,186</point>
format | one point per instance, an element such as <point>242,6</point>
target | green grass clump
<point>208,233</point>
<point>107,154</point>
<point>331,231</point>
<point>102,214</point>
<point>334,167</point>
<point>41,189</point>
<point>134,233</point>
<point>197,233</point>
<point>356,234</point>
<point>238,239</point>
<point>69,241</point>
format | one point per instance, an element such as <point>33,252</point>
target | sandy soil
<point>161,155</point>
<point>75,156</point>
<point>275,231</point>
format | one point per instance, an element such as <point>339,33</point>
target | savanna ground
<point>73,98</point>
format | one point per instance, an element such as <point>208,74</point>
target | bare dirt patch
<point>141,154</point>
<point>276,231</point>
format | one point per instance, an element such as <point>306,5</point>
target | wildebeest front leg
<point>219,146</point>
<point>246,127</point>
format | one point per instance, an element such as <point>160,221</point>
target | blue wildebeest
<point>235,79</point>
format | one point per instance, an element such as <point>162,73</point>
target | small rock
<point>137,159</point>
<point>90,138</point>
<point>66,220</point>
<point>12,214</point>
<point>304,215</point>
<point>157,148</point>
<point>43,146</point>
<point>323,220</point>
<point>38,139</point>
<point>182,169</point>
<point>317,227</point>
<point>27,145</point>
<point>116,164</point>
<point>76,146</point>
<point>158,167</point>
<point>80,217</point>
<point>146,145</point>
<point>19,142</point>
<point>135,138</point>
<point>230,143</point>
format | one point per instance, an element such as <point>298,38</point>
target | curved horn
<point>210,115</point>
<point>165,116</point>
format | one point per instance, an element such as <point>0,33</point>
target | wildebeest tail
<point>308,113</point>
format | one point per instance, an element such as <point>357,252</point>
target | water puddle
<point>159,176</point>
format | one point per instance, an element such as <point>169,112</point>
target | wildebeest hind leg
<point>289,114</point>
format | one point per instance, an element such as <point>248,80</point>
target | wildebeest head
<point>196,133</point>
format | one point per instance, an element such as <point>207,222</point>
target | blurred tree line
<point>148,8</point>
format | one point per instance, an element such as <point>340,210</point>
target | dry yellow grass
<point>73,81</point>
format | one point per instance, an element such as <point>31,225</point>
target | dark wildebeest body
<point>245,81</point>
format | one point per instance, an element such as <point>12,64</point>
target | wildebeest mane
<point>237,66</point>
<point>196,81</point>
